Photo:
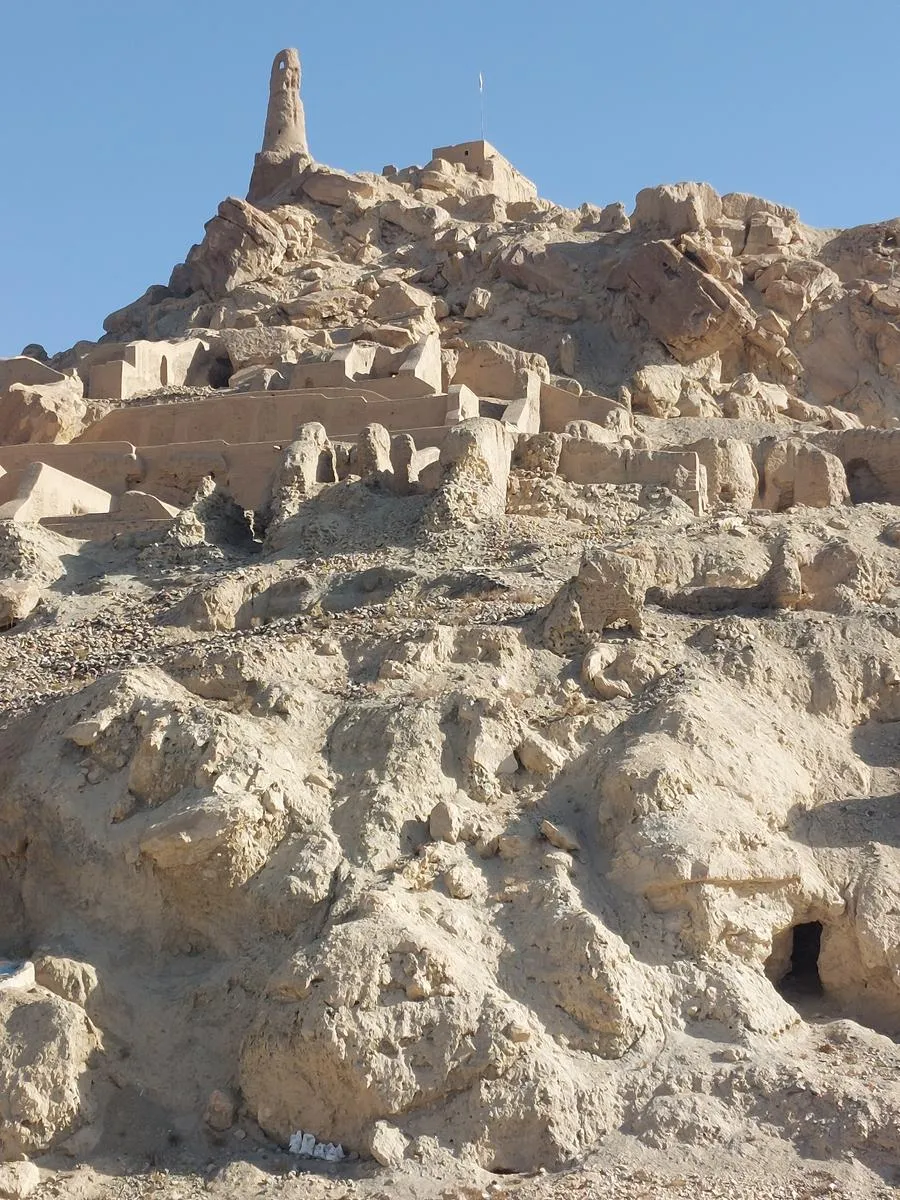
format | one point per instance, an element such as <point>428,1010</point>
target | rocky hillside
<point>527,813</point>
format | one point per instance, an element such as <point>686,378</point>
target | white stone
<point>16,976</point>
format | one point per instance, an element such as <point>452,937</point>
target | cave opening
<point>863,484</point>
<point>220,372</point>
<point>802,977</point>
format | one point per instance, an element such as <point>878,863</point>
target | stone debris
<point>304,1145</point>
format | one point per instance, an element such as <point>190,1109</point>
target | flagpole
<point>481,93</point>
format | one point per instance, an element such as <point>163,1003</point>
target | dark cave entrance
<point>220,372</point>
<point>863,484</point>
<point>802,977</point>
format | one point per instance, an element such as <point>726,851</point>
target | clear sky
<point>125,122</point>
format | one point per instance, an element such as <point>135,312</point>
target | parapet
<point>474,155</point>
<point>484,160</point>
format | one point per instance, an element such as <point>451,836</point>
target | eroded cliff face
<point>498,800</point>
<point>450,850</point>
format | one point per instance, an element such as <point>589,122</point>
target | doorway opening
<point>802,977</point>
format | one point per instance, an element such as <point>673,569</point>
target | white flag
<point>480,82</point>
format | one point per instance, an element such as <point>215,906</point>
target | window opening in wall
<point>802,977</point>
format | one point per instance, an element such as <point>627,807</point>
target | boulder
<point>400,301</point>
<point>242,244</point>
<point>267,346</point>
<point>791,287</point>
<point>590,431</point>
<point>46,1046</point>
<point>52,412</point>
<point>657,389</point>
<point>326,185</point>
<point>445,823</point>
<point>676,208</point>
<point>325,307</point>
<point>612,218</point>
<point>387,1145</point>
<point>418,220</point>
<point>741,206</point>
<point>865,252</point>
<point>221,1110</point>
<point>244,601</point>
<point>18,1180</point>
<point>74,981</point>
<point>612,671</point>
<point>766,234</point>
<point>479,304</point>
<point>690,312</point>
<point>18,599</point>
<point>532,265</point>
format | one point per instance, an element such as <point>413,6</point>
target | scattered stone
<point>388,1145</point>
<point>221,1110</point>
<point>445,822</point>
<point>559,837</point>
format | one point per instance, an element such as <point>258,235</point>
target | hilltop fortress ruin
<point>449,683</point>
<point>428,297</point>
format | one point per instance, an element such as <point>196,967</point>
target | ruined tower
<point>285,123</point>
<point>284,150</point>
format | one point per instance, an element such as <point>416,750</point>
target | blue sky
<point>125,122</point>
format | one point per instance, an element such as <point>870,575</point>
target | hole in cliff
<point>862,483</point>
<point>220,372</point>
<point>164,371</point>
<point>802,977</point>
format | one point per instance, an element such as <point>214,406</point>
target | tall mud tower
<point>285,152</point>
